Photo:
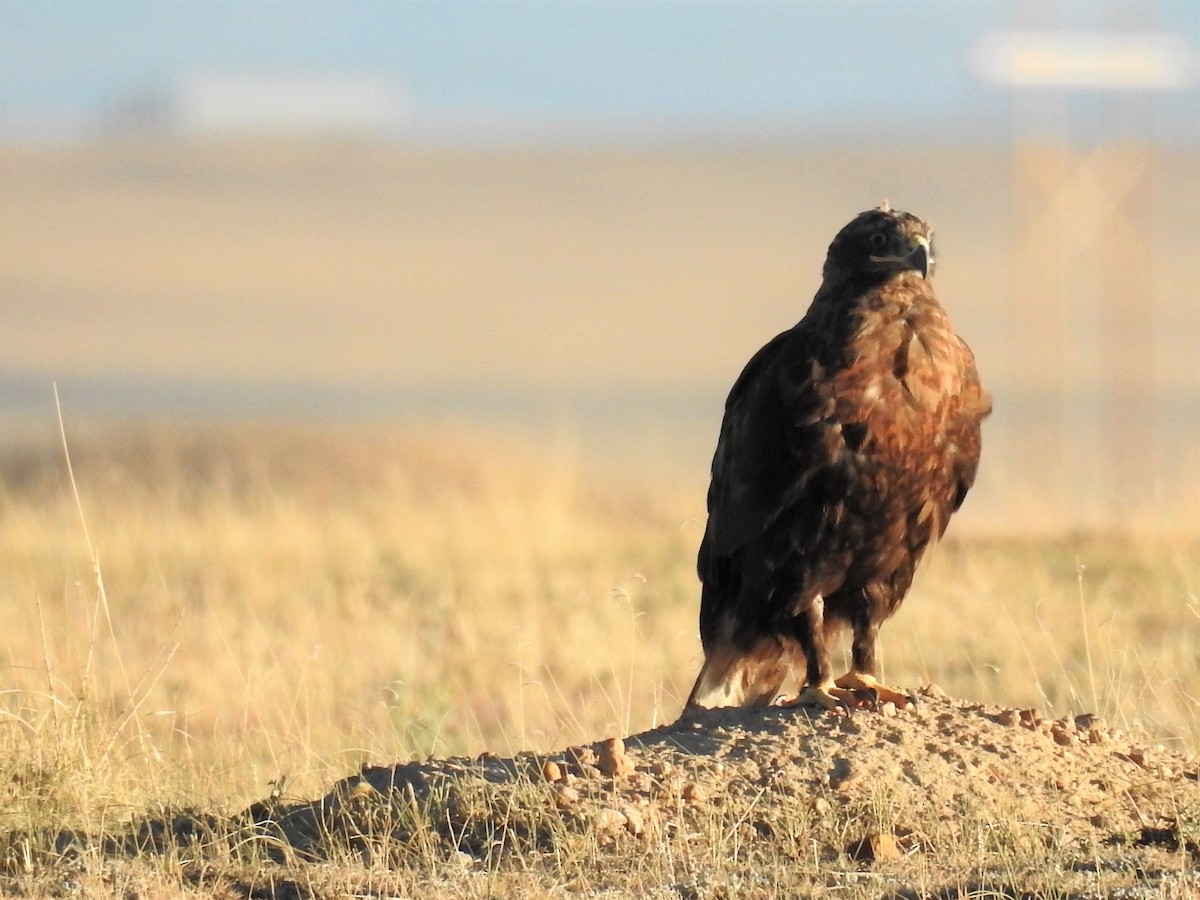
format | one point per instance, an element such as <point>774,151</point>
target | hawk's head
<point>881,242</point>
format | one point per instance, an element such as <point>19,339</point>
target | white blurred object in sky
<point>219,102</point>
<point>1084,60</point>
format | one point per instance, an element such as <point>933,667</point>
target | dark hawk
<point>848,442</point>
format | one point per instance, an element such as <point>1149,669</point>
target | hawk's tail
<point>732,677</point>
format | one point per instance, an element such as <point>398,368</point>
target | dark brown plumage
<point>847,443</point>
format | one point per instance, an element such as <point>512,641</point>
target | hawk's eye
<point>877,241</point>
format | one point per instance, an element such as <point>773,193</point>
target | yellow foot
<point>866,687</point>
<point>828,696</point>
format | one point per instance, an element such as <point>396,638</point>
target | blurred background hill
<point>580,219</point>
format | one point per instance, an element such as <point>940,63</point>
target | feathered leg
<point>861,676</point>
<point>808,629</point>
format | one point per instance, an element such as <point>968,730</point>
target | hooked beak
<point>918,258</point>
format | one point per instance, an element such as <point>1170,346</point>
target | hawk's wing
<point>778,443</point>
<point>977,405</point>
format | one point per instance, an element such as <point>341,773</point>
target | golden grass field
<point>280,605</point>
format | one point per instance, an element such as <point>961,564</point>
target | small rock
<point>821,806</point>
<point>934,691</point>
<point>1137,755</point>
<point>635,822</point>
<point>888,710</point>
<point>1063,738</point>
<point>1031,718</point>
<point>614,746</point>
<point>565,796</point>
<point>875,847</point>
<point>608,820</point>
<point>1009,717</point>
<point>551,770</point>
<point>692,793</point>
<point>611,758</point>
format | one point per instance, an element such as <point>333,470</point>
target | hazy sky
<point>805,61</point>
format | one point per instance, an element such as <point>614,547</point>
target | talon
<point>879,694</point>
<point>829,697</point>
<point>868,697</point>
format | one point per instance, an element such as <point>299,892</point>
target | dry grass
<point>288,603</point>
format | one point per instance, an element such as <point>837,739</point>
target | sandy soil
<point>943,781</point>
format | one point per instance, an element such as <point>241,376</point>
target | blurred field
<point>369,264</point>
<point>613,291</point>
<point>289,602</point>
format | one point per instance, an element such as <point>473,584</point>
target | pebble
<point>1063,738</point>
<point>875,847</point>
<point>692,793</point>
<point>565,796</point>
<point>611,758</point>
<point>635,822</point>
<point>551,770</point>
<point>1009,717</point>
<point>608,819</point>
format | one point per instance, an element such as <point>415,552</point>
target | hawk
<point>847,443</point>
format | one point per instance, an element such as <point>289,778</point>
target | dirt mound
<point>940,779</point>
<point>945,799</point>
